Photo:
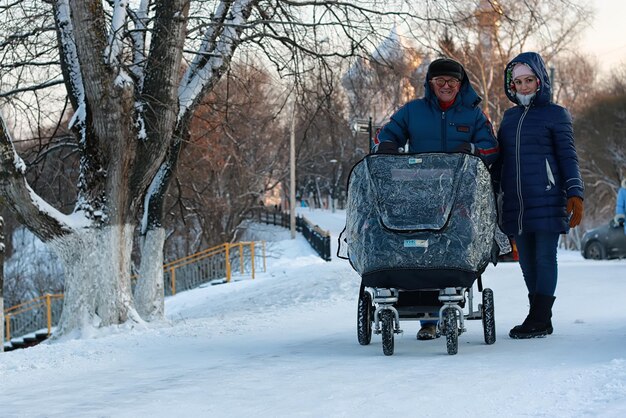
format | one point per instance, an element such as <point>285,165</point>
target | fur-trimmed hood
<point>535,62</point>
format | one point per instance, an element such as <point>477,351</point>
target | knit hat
<point>445,66</point>
<point>522,69</point>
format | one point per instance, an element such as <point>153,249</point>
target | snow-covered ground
<point>284,345</point>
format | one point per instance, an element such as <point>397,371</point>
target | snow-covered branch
<point>71,65</point>
<point>138,36</point>
<point>39,217</point>
<point>215,54</point>
<point>114,48</point>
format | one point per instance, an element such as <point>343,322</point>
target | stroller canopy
<point>429,219</point>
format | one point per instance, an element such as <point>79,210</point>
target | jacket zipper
<point>519,171</point>
<point>444,139</point>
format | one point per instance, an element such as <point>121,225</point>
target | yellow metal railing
<point>230,252</point>
<point>40,302</point>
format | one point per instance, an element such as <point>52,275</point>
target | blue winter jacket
<point>430,129</point>
<point>620,205</point>
<point>538,166</point>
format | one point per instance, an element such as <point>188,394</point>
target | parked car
<point>604,242</point>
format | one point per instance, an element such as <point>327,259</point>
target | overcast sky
<point>606,38</point>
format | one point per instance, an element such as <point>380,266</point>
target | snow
<point>284,345</point>
<point>76,220</point>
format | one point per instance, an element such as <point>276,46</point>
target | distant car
<point>604,242</point>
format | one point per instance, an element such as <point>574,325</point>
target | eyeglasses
<point>440,82</point>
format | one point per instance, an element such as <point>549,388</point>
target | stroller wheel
<point>387,319</point>
<point>451,330</point>
<point>489,320</point>
<point>364,318</point>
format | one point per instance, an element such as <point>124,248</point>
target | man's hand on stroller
<point>467,148</point>
<point>387,147</point>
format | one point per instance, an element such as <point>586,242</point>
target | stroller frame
<point>378,307</point>
<point>421,229</point>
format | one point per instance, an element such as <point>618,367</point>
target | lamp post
<point>365,125</point>
<point>292,173</point>
<point>333,185</point>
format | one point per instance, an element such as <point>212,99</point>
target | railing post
<point>227,254</point>
<point>48,313</point>
<point>252,257</point>
<point>173,279</point>
<point>7,319</point>
<point>327,248</point>
<point>264,266</point>
<point>241,258</point>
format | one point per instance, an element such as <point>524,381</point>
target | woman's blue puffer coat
<point>538,166</point>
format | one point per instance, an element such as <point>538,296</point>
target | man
<point>446,119</point>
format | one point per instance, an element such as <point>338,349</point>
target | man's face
<point>445,87</point>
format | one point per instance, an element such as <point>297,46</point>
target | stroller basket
<point>421,221</point>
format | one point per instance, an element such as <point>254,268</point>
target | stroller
<point>420,230</point>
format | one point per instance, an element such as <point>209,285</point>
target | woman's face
<point>526,84</point>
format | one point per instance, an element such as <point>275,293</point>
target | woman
<point>539,177</point>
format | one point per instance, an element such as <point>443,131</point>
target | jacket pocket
<point>550,183</point>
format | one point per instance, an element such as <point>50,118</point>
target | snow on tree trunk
<point>97,279</point>
<point>149,291</point>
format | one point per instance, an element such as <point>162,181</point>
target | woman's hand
<point>575,208</point>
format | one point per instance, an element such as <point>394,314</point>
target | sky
<point>284,345</point>
<point>605,39</point>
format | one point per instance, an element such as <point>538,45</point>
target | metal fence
<point>36,314</point>
<point>222,263</point>
<point>317,237</point>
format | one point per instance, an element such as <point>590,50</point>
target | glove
<point>387,147</point>
<point>575,208</point>
<point>467,148</point>
<point>619,218</point>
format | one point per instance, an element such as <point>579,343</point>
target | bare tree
<point>120,64</point>
<point>235,154</point>
<point>491,32</point>
<point>601,141</point>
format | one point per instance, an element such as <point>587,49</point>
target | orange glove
<point>575,208</point>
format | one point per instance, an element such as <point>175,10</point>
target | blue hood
<point>535,62</point>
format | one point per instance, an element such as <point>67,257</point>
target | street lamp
<point>333,185</point>
<point>366,125</point>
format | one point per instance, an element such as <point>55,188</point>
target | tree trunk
<point>149,291</point>
<point>97,278</point>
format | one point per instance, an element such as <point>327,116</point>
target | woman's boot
<point>530,302</point>
<point>538,320</point>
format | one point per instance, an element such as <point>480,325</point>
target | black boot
<point>530,301</point>
<point>538,319</point>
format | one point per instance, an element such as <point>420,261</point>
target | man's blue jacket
<point>430,129</point>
